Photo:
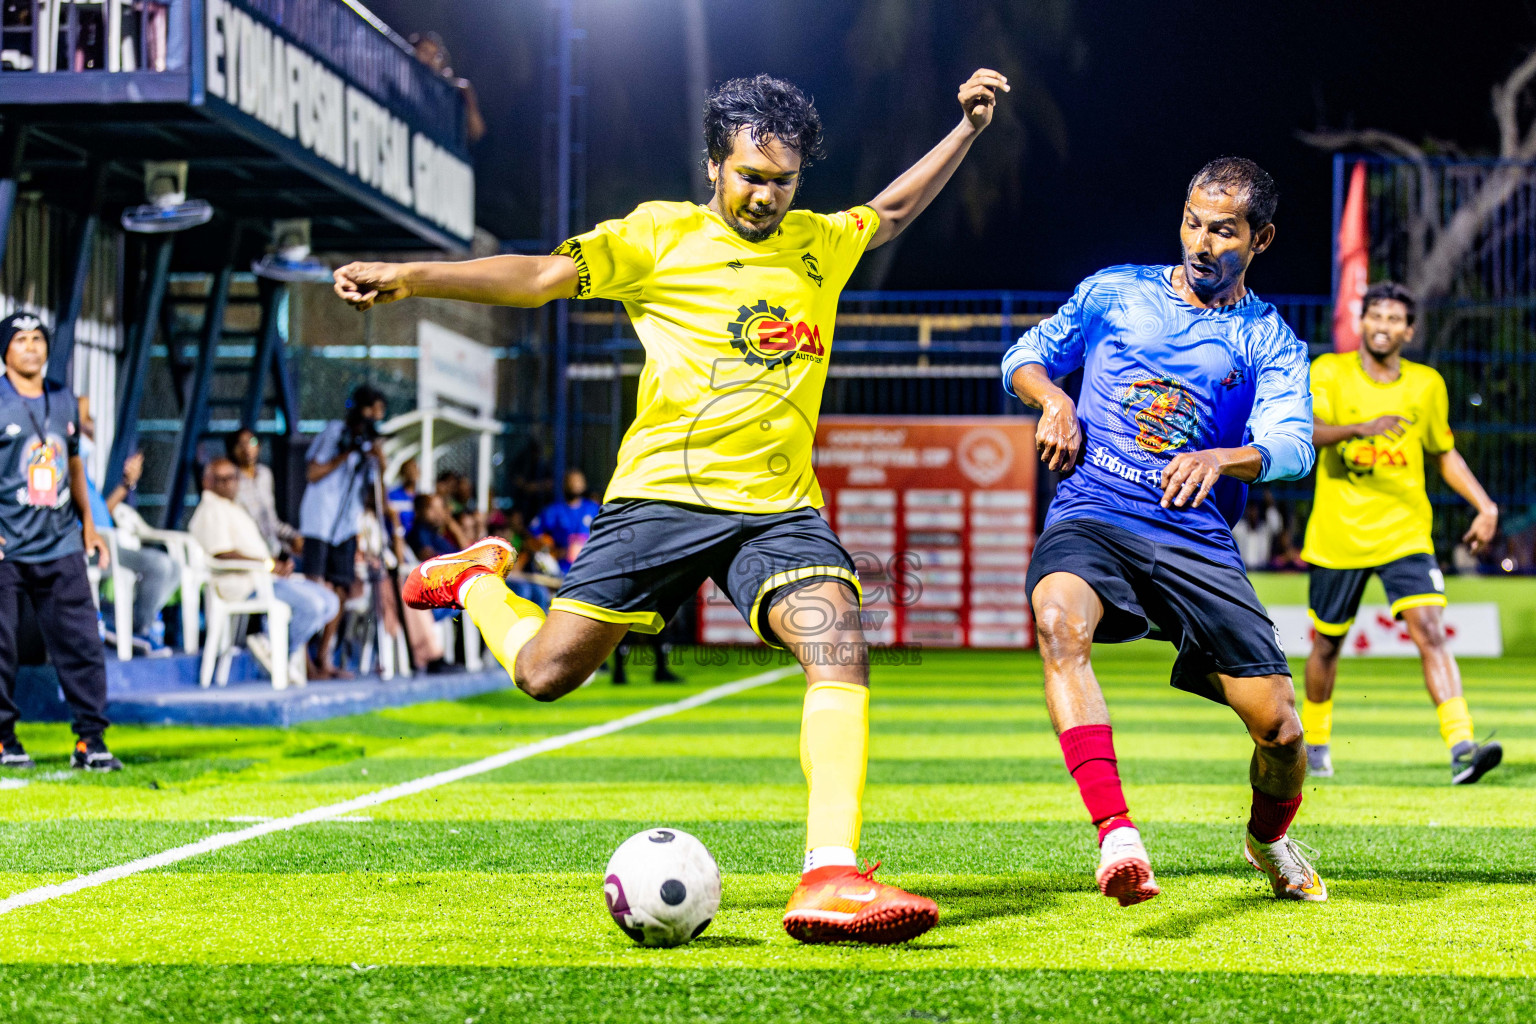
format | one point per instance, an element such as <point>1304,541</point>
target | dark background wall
<point>1120,103</point>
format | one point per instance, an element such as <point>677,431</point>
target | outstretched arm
<point>1325,434</point>
<point>910,194</point>
<point>1456,472</point>
<point>495,280</point>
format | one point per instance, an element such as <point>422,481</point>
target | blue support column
<point>194,421</point>
<point>1338,215</point>
<point>268,339</point>
<point>566,200</point>
<point>62,346</point>
<point>134,369</point>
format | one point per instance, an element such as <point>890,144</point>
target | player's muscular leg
<point>1323,666</point>
<point>1442,676</point>
<point>1267,706</point>
<point>564,653</point>
<point>1067,611</point>
<point>820,626</point>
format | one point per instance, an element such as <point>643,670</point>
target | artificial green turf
<point>481,900</point>
<point>364,994</point>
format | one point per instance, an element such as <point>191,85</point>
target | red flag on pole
<point>1354,265</point>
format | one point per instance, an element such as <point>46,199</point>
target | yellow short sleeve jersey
<point>736,335</point>
<point>1371,507</point>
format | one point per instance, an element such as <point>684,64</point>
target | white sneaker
<point>1125,872</point>
<point>260,646</point>
<point>1319,761</point>
<point>298,668</point>
<point>1290,874</point>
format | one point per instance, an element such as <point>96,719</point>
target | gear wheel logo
<point>745,335</point>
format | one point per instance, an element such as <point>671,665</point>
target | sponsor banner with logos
<point>938,513</point>
<point>1471,629</point>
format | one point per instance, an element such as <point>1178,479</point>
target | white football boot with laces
<point>1125,872</point>
<point>1290,874</point>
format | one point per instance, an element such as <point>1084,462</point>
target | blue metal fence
<point>1462,233</point>
<point>896,353</point>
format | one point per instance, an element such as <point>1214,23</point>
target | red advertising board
<point>939,515</point>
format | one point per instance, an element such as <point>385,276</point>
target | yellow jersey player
<point>1379,418</point>
<point>734,302</point>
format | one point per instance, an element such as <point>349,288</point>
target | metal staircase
<point>221,365</point>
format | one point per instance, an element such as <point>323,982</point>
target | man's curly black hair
<point>766,107</point>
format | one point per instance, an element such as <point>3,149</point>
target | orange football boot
<point>844,904</point>
<point>435,583</point>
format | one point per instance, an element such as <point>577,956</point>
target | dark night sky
<point>1158,89</point>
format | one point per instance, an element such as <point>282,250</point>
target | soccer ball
<point>662,887</point>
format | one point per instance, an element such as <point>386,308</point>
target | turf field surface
<point>481,900</point>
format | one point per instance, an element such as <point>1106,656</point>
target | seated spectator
<point>225,530</point>
<point>565,525</point>
<point>433,531</point>
<point>1257,532</point>
<point>156,576</point>
<point>402,499</point>
<point>255,494</point>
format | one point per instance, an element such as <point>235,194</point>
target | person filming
<point>344,459</point>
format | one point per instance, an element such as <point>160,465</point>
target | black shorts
<point>1333,595</point>
<point>646,558</point>
<point>335,563</point>
<point>1205,608</point>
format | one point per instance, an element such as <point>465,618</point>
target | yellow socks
<point>1317,722</point>
<point>834,751</point>
<point>505,620</point>
<point>1455,721</point>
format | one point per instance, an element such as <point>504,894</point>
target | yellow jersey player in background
<point>734,302</point>
<point>1379,419</point>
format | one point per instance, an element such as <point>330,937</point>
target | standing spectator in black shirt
<point>45,525</point>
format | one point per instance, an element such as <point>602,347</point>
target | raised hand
<point>365,285</point>
<point>978,96</point>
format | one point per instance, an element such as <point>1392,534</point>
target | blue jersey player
<point>1192,388</point>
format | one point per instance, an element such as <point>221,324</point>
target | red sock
<point>1089,751</point>
<point>1270,817</point>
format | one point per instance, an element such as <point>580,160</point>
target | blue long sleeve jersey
<point>1162,377</point>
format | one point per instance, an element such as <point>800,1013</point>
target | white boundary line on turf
<point>220,840</point>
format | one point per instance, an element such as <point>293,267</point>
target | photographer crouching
<point>344,460</point>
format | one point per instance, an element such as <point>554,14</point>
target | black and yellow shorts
<point>646,558</point>
<point>1333,595</point>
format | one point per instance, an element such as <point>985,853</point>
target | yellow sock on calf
<point>506,621</point>
<point>1317,722</point>
<point>834,752</point>
<point>1455,721</point>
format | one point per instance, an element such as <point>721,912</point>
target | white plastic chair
<point>192,565</point>
<point>218,648</point>
<point>124,586</point>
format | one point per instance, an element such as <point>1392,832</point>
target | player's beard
<point>741,227</point>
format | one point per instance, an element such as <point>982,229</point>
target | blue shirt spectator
<point>566,525</point>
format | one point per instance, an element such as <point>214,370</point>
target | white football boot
<point>1125,872</point>
<point>1319,761</point>
<point>1290,874</point>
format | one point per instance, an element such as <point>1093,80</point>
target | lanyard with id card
<point>43,459</point>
